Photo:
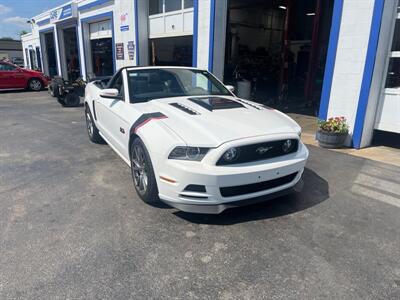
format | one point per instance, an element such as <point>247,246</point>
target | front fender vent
<point>184,108</point>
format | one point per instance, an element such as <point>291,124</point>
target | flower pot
<point>330,139</point>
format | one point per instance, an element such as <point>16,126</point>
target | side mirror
<point>110,94</point>
<point>231,88</point>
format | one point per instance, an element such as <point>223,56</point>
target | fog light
<point>287,146</point>
<point>231,155</point>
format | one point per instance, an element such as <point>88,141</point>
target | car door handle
<point>122,130</point>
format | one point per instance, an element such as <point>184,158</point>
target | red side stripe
<point>147,121</point>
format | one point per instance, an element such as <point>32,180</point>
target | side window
<point>5,67</point>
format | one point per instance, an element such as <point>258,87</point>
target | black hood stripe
<point>215,103</point>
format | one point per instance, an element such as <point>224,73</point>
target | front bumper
<point>213,178</point>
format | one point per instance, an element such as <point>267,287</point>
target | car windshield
<point>149,84</point>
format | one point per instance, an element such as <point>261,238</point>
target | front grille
<point>239,190</point>
<point>260,151</point>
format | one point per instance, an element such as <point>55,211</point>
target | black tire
<point>72,100</point>
<point>141,166</point>
<point>91,128</point>
<point>61,100</point>
<point>35,84</point>
<point>53,89</point>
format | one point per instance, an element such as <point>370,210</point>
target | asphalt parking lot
<point>72,227</point>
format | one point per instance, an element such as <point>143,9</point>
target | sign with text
<point>124,19</point>
<point>131,50</point>
<point>124,28</point>
<point>62,13</point>
<point>119,51</point>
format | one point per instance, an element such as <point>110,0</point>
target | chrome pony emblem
<point>263,150</point>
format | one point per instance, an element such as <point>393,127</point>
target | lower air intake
<point>239,190</point>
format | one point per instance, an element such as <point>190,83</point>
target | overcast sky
<point>15,13</point>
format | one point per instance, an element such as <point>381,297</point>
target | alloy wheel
<point>89,124</point>
<point>35,85</point>
<point>139,168</point>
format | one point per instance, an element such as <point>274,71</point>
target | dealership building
<point>316,57</point>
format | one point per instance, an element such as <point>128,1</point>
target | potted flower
<point>332,132</point>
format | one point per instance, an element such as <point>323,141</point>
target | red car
<point>14,77</point>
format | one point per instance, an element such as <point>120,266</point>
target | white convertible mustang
<point>190,142</point>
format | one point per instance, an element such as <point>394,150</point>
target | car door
<point>111,118</point>
<point>11,77</point>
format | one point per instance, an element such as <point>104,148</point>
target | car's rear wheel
<point>92,130</point>
<point>143,176</point>
<point>35,84</point>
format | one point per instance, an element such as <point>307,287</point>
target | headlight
<point>188,153</point>
<point>231,155</point>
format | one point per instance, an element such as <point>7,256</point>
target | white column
<point>81,50</point>
<point>203,34</point>
<point>221,12</point>
<point>143,33</point>
<point>350,60</point>
<point>57,51</point>
<point>379,75</point>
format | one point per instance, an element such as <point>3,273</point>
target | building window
<point>172,5</point>
<point>393,72</point>
<point>188,4</point>
<point>155,7</point>
<point>165,6</point>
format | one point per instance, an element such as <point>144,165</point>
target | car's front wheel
<point>35,84</point>
<point>92,130</point>
<point>144,179</point>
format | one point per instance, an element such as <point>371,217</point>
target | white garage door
<point>100,30</point>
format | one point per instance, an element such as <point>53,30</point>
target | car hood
<point>212,121</point>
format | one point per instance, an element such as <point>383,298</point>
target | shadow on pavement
<point>20,91</point>
<point>315,191</point>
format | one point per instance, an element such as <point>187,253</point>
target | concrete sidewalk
<point>377,153</point>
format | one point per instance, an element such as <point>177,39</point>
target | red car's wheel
<point>35,84</point>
